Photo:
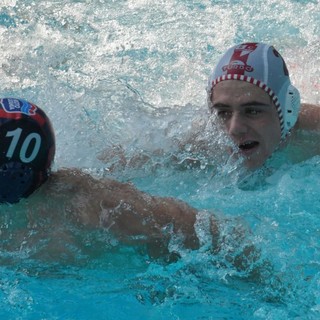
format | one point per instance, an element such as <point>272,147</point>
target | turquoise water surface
<point>130,75</point>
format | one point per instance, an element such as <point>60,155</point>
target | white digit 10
<point>15,134</point>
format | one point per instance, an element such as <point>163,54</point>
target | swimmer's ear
<point>292,107</point>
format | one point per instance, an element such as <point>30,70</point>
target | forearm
<point>181,216</point>
<point>137,215</point>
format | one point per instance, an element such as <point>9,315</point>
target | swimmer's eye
<point>253,112</point>
<point>224,114</point>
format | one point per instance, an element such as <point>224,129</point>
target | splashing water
<point>130,75</point>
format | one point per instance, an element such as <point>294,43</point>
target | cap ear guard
<point>292,107</point>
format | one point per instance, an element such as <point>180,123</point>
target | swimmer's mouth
<point>248,146</point>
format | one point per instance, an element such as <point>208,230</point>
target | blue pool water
<point>132,73</point>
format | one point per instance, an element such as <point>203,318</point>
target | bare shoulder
<point>303,142</point>
<point>309,117</point>
<point>79,194</point>
<point>77,180</point>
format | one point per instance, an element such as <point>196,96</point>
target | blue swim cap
<point>263,66</point>
<point>26,151</point>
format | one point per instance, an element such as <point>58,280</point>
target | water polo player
<point>27,152</point>
<point>27,149</point>
<point>252,95</point>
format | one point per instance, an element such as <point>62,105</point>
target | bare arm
<point>130,213</point>
<point>133,216</point>
<point>119,207</point>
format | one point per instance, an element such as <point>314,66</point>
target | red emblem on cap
<point>238,62</point>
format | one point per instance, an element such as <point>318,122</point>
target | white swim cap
<point>263,66</point>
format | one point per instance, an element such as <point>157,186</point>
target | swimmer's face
<point>249,117</point>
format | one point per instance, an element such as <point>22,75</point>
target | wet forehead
<point>238,92</point>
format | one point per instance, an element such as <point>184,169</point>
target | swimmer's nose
<point>237,125</point>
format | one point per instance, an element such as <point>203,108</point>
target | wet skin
<point>249,117</point>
